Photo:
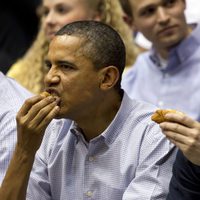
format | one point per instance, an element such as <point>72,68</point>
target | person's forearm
<point>15,183</point>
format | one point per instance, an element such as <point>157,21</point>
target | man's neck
<point>101,118</point>
<point>164,51</point>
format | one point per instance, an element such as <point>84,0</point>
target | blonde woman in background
<point>30,70</point>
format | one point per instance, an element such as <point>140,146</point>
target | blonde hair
<point>30,70</point>
<point>113,15</point>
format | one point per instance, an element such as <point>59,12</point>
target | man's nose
<point>162,15</point>
<point>52,77</point>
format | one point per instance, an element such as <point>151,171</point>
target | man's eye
<point>148,12</point>
<point>66,67</point>
<point>48,65</point>
<point>169,3</point>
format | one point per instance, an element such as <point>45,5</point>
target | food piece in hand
<point>159,115</point>
<point>45,94</point>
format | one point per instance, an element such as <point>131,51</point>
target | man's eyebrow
<point>59,62</point>
<point>166,1</point>
<point>147,6</point>
<point>64,62</point>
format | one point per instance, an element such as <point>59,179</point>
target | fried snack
<point>159,115</point>
<point>45,94</point>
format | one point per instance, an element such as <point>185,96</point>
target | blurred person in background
<point>191,12</point>
<point>140,41</point>
<point>128,18</point>
<point>168,75</point>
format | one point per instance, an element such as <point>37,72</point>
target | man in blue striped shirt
<point>12,96</point>
<point>168,75</point>
<point>110,150</point>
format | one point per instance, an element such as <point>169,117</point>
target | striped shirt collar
<point>112,131</point>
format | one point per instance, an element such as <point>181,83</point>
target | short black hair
<point>102,44</point>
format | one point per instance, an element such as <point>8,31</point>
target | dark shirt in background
<point>185,182</point>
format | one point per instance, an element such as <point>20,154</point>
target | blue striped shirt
<point>12,96</point>
<point>177,86</point>
<point>131,159</point>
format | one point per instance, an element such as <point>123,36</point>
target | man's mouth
<point>55,94</point>
<point>167,30</point>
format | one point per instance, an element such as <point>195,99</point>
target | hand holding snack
<point>181,130</point>
<point>159,115</point>
<point>33,118</point>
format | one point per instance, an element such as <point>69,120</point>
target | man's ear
<point>128,20</point>
<point>185,4</point>
<point>108,77</point>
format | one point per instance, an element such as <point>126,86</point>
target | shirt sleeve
<point>153,173</point>
<point>7,139</point>
<point>39,186</point>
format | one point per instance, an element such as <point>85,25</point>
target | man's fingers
<point>181,119</point>
<point>40,106</point>
<point>28,104</point>
<point>178,144</point>
<point>175,127</point>
<point>46,113</point>
<point>47,119</point>
<point>33,106</point>
<point>175,137</point>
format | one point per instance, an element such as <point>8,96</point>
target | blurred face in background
<point>57,13</point>
<point>161,21</point>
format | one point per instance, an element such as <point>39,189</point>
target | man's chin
<point>60,116</point>
<point>169,44</point>
<point>172,41</point>
<point>57,117</point>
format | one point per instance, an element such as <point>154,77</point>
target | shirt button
<point>91,158</point>
<point>89,193</point>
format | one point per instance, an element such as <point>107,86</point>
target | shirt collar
<point>115,127</point>
<point>156,59</point>
<point>188,46</point>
